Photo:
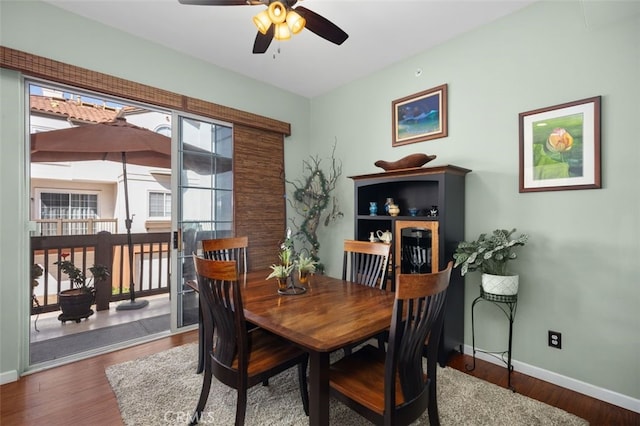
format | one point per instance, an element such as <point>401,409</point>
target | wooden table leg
<point>318,388</point>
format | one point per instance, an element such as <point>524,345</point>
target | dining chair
<point>366,262</point>
<point>392,388</point>
<point>238,357</point>
<point>230,248</point>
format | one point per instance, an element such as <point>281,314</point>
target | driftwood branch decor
<point>408,162</point>
<point>311,198</point>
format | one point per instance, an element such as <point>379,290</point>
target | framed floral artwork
<point>560,147</point>
<point>420,117</point>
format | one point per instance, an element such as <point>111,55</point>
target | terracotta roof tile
<point>72,109</point>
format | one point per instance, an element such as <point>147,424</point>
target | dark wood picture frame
<point>420,117</point>
<point>560,147</point>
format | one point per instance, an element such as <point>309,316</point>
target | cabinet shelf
<point>422,188</point>
<point>399,217</point>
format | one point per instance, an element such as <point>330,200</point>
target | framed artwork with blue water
<point>420,117</point>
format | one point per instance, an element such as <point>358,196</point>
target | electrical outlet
<point>555,339</point>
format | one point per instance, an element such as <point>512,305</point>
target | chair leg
<point>381,343</point>
<point>241,406</point>
<point>434,417</point>
<point>302,378</point>
<point>202,344</point>
<point>204,395</point>
<point>265,382</point>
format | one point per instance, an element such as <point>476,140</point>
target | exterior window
<point>159,204</point>
<point>65,209</point>
<point>68,206</point>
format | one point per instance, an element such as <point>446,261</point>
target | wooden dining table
<point>330,315</point>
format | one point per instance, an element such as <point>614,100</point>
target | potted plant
<point>282,271</point>
<point>305,266</point>
<point>490,254</point>
<point>76,302</point>
<point>36,272</point>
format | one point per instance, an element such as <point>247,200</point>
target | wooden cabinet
<point>421,243</point>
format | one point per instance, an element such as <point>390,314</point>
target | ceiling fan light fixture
<point>277,12</point>
<point>262,21</point>
<point>295,22</point>
<point>282,32</point>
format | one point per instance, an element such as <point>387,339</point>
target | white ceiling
<point>381,32</point>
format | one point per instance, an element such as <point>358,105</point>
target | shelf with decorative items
<point>424,233</point>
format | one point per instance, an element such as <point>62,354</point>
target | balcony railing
<point>46,227</point>
<point>151,268</point>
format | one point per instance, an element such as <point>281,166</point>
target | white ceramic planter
<point>500,284</point>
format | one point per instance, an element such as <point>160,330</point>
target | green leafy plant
<point>78,278</point>
<point>280,271</point>
<point>36,272</point>
<point>306,263</point>
<point>489,253</point>
<point>286,265</point>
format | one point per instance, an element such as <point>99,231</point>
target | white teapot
<point>385,236</point>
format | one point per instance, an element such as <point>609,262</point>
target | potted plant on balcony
<point>76,302</point>
<point>490,254</point>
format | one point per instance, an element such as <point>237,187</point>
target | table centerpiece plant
<point>282,271</point>
<point>490,255</point>
<point>306,266</point>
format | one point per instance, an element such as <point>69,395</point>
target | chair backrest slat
<point>366,262</point>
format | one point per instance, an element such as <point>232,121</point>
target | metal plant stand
<point>507,305</point>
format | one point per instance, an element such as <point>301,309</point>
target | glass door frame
<point>177,287</point>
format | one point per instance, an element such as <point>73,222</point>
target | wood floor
<point>80,393</point>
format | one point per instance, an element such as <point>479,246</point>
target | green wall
<point>576,272</point>
<point>579,271</point>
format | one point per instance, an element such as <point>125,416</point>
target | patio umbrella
<point>121,141</point>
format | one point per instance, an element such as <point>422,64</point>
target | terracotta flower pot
<point>303,276</point>
<point>283,283</point>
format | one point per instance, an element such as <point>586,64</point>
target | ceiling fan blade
<point>322,26</point>
<point>221,2</point>
<point>263,41</point>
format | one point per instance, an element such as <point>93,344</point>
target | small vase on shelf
<point>388,203</point>
<point>373,208</point>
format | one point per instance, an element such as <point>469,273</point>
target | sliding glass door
<point>205,201</point>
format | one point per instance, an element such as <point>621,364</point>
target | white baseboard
<point>575,385</point>
<point>8,377</point>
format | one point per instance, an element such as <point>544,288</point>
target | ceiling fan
<point>280,20</point>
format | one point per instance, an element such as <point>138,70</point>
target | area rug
<point>162,389</point>
<point>70,344</point>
